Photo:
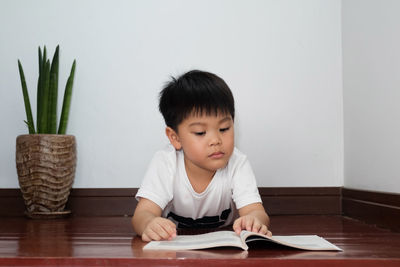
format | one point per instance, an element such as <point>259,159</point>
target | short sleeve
<point>157,184</point>
<point>244,185</point>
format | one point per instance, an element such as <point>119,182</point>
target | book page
<point>230,239</point>
<point>309,242</point>
<point>209,240</point>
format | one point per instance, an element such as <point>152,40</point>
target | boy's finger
<point>170,230</point>
<point>145,238</point>
<point>163,234</point>
<point>263,230</point>
<point>159,229</point>
<point>171,227</point>
<point>256,227</point>
<point>237,225</point>
<point>249,224</point>
<point>152,235</point>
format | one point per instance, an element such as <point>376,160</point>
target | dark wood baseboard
<point>301,200</point>
<point>11,202</point>
<point>81,201</point>
<point>121,201</point>
<point>381,209</point>
<point>102,202</point>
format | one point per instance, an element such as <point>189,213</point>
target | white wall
<point>371,74</point>
<point>282,60</point>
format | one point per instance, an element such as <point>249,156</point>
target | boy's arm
<point>252,218</point>
<point>148,223</point>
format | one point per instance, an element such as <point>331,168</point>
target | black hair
<point>195,92</point>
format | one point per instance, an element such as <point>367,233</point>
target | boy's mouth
<point>216,155</point>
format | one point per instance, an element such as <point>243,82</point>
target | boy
<point>201,180</point>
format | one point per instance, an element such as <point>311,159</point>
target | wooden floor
<point>110,241</point>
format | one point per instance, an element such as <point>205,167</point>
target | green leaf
<point>67,101</point>
<point>39,97</point>
<point>53,94</point>
<point>45,102</point>
<point>30,128</point>
<point>28,109</point>
<point>44,60</point>
<point>40,92</point>
<point>40,60</point>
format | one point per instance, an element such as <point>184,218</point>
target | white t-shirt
<point>166,184</point>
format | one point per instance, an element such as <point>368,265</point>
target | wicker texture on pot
<point>46,166</point>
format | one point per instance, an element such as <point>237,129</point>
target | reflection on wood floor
<point>99,241</point>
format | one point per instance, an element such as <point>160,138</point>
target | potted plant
<point>46,157</point>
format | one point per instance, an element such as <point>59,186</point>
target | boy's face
<point>206,140</point>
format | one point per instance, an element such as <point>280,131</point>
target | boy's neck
<point>198,177</point>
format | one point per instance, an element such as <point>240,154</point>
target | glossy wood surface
<point>110,241</point>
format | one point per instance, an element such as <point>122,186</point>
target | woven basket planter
<point>46,169</point>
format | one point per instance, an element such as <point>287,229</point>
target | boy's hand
<point>252,218</point>
<point>159,229</point>
<point>250,223</point>
<point>148,223</point>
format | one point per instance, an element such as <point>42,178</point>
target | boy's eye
<point>224,129</point>
<point>200,133</point>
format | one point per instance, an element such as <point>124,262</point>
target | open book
<point>231,239</point>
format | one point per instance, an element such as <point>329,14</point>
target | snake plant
<point>47,96</point>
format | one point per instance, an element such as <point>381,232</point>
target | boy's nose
<point>215,140</point>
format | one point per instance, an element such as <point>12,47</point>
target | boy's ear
<point>173,138</point>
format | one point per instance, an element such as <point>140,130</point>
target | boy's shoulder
<point>238,153</point>
<point>167,154</point>
<point>237,156</point>
<point>167,150</point>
